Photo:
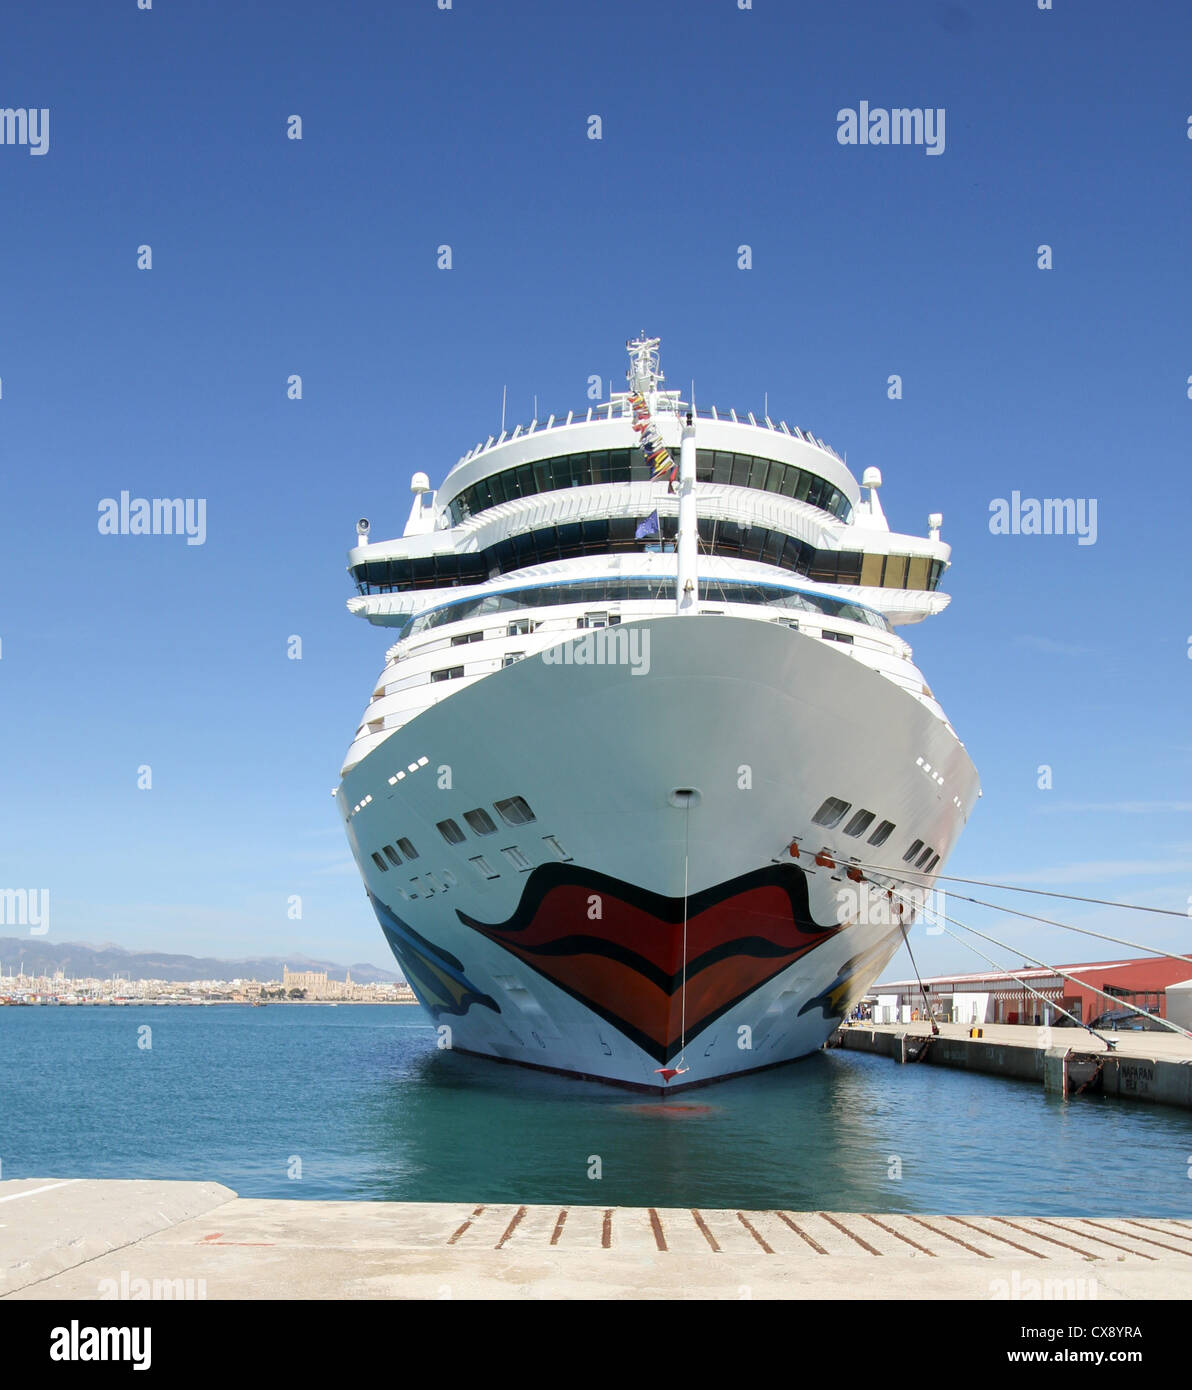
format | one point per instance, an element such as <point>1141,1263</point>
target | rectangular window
<point>515,811</point>
<point>722,467</point>
<point>512,658</point>
<point>555,847</point>
<point>392,855</point>
<point>845,637</point>
<point>483,867</point>
<point>741,466</point>
<point>924,857</point>
<point>447,673</point>
<point>407,849</point>
<point>480,821</point>
<point>916,572</point>
<point>758,473</point>
<point>519,627</point>
<point>871,571</point>
<point>831,812</point>
<point>849,571</point>
<point>595,620</point>
<point>464,638</point>
<point>823,567</point>
<point>380,863</point>
<point>450,831</point>
<point>916,846</point>
<point>516,858</point>
<point>895,576</point>
<point>860,823</point>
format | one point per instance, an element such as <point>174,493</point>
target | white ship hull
<point>584,964</point>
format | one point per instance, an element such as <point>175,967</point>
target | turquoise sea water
<point>363,1098</point>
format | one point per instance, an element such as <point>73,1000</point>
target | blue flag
<point>649,527</point>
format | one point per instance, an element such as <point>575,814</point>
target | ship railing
<point>618,408</point>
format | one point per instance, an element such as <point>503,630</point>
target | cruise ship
<point>649,789</point>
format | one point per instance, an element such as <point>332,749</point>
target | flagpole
<point>687,587</point>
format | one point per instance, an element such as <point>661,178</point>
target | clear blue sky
<point>468,127</point>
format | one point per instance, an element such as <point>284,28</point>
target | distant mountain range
<point>76,958</point>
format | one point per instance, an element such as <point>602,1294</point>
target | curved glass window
<point>628,466</point>
<point>606,590</point>
<point>615,536</point>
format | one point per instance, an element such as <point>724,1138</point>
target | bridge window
<point>615,536</point>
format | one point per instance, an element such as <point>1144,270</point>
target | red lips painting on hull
<point>619,949</point>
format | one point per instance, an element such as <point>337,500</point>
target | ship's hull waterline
<point>650,926</point>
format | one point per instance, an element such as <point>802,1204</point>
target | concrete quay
<point>1154,1067</point>
<point>82,1239</point>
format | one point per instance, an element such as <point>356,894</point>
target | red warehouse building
<point>997,997</point>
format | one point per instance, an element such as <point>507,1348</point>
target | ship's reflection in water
<point>836,1131</point>
<point>359,1103</point>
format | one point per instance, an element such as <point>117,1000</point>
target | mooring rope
<point>902,871</point>
<point>900,876</point>
<point>926,1002</point>
<point>1055,969</point>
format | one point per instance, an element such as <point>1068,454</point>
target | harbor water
<point>357,1102</point>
